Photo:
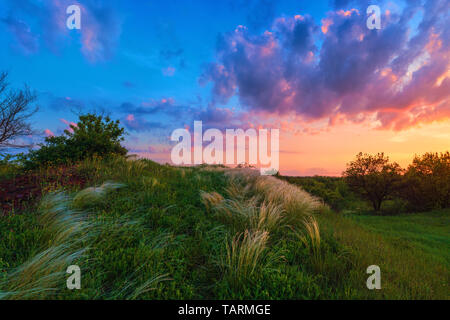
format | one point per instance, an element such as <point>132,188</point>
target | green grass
<point>429,232</point>
<point>161,232</point>
<point>407,272</point>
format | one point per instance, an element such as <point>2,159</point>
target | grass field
<point>147,231</point>
<point>427,232</point>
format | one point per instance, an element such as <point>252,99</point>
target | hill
<point>140,230</point>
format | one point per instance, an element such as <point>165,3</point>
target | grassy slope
<point>408,271</point>
<point>157,226</point>
<point>429,232</point>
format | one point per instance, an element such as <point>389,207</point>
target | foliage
<point>93,136</point>
<point>9,166</point>
<point>373,177</point>
<point>427,182</point>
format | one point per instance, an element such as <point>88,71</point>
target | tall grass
<point>70,235</point>
<point>246,254</point>
<point>66,231</point>
<point>116,168</point>
<point>309,236</point>
<point>297,202</point>
<point>93,195</point>
<point>42,276</point>
<point>211,199</point>
<point>270,217</point>
<point>257,206</point>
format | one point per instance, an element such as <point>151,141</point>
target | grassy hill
<point>140,230</point>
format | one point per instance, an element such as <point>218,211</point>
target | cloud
<point>169,71</point>
<point>172,115</point>
<point>340,69</point>
<point>100,32</point>
<point>63,103</point>
<point>160,107</point>
<point>140,124</point>
<point>27,42</point>
<point>69,125</point>
<point>100,26</point>
<point>48,133</point>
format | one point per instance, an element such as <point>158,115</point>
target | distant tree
<point>93,135</point>
<point>15,112</point>
<point>373,177</point>
<point>427,181</point>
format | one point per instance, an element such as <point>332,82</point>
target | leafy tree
<point>93,135</point>
<point>427,181</point>
<point>15,111</point>
<point>373,177</point>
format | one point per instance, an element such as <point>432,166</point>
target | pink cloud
<point>356,75</point>
<point>48,133</point>
<point>69,125</point>
<point>169,71</point>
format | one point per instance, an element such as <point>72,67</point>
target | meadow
<point>141,230</point>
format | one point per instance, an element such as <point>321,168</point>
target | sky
<point>312,69</point>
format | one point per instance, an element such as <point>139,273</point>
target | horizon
<point>313,70</point>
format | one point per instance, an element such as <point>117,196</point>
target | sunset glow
<point>315,71</point>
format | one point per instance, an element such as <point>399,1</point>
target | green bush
<point>8,166</point>
<point>427,182</point>
<point>93,136</point>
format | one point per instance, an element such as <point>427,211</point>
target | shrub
<point>93,135</point>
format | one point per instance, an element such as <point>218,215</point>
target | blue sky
<point>296,65</point>
<point>157,50</point>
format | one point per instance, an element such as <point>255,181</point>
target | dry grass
<point>245,254</point>
<point>261,205</point>
<point>211,200</point>
<point>297,202</point>
<point>93,195</point>
<point>270,217</point>
<point>309,235</point>
<point>294,201</point>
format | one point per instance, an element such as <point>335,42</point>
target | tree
<point>15,112</point>
<point>427,181</point>
<point>93,135</point>
<point>373,177</point>
<point>96,135</point>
